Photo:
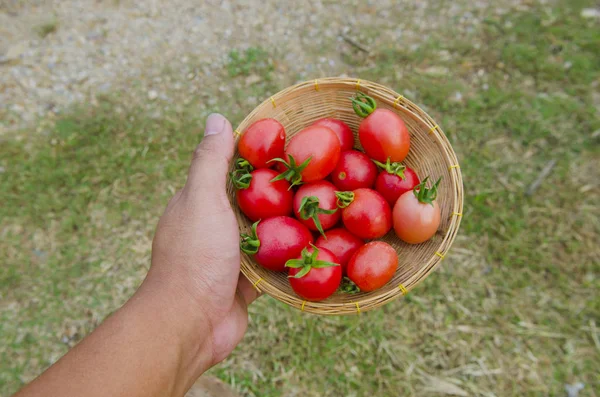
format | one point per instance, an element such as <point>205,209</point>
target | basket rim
<point>378,297</point>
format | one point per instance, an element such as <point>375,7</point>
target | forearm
<point>155,345</point>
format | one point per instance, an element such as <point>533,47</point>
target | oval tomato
<point>276,240</point>
<point>373,265</point>
<point>310,155</point>
<point>315,205</point>
<point>382,134</point>
<point>341,129</point>
<point>316,274</point>
<point>341,243</point>
<point>353,171</point>
<point>417,214</point>
<point>365,213</point>
<point>264,199</point>
<point>263,141</point>
<point>395,180</point>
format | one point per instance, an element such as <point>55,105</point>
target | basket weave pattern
<point>430,154</point>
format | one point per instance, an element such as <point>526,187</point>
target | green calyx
<point>241,176</point>
<point>293,174</point>
<point>392,168</point>
<point>344,199</point>
<point>307,262</point>
<point>363,104</point>
<point>249,243</point>
<point>347,286</point>
<point>424,194</point>
<point>309,209</point>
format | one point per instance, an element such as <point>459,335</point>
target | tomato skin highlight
<point>373,265</point>
<point>392,186</point>
<point>384,135</point>
<point>281,238</point>
<point>321,145</point>
<point>341,129</point>
<point>353,171</point>
<point>369,216</point>
<point>263,141</point>
<point>318,283</point>
<point>325,192</point>
<point>265,199</point>
<point>341,243</point>
<point>415,222</point>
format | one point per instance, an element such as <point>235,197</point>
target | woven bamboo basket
<point>430,154</point>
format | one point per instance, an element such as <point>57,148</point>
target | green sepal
<point>344,199</point>
<point>308,261</point>
<point>347,286</point>
<point>392,168</point>
<point>249,243</point>
<point>363,104</point>
<point>424,194</point>
<point>241,176</point>
<point>309,209</point>
<point>293,174</point>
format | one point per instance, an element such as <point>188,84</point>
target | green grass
<point>514,310</point>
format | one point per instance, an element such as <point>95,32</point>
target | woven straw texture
<point>430,154</point>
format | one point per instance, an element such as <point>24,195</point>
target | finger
<point>210,163</point>
<point>173,200</point>
<point>248,291</point>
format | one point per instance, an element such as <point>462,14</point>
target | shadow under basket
<point>430,154</point>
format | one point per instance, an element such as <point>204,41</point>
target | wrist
<point>180,314</point>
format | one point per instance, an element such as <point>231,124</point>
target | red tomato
<point>365,213</point>
<point>382,133</point>
<point>355,170</point>
<point>341,129</point>
<point>341,243</point>
<point>276,240</point>
<point>417,214</point>
<point>373,265</point>
<point>316,201</point>
<point>316,274</point>
<point>263,141</point>
<point>311,155</point>
<point>264,199</point>
<point>395,180</point>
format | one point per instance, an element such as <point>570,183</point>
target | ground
<point>101,103</point>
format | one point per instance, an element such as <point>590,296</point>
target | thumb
<point>208,171</point>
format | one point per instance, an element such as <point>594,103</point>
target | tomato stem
<point>392,168</point>
<point>344,199</point>
<point>309,209</point>
<point>424,194</point>
<point>241,176</point>
<point>293,174</point>
<point>363,104</point>
<point>307,262</point>
<point>249,243</point>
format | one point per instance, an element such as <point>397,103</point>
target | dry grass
<point>514,309</point>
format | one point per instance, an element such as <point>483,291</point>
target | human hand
<point>195,252</point>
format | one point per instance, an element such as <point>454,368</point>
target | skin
<point>369,216</point>
<point>281,238</point>
<point>415,222</point>
<point>264,199</point>
<point>319,283</point>
<point>341,129</point>
<point>191,309</point>
<point>325,192</point>
<point>341,243</point>
<point>354,171</point>
<point>392,186</point>
<point>263,140</point>
<point>383,134</point>
<point>373,265</point>
<point>319,143</point>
